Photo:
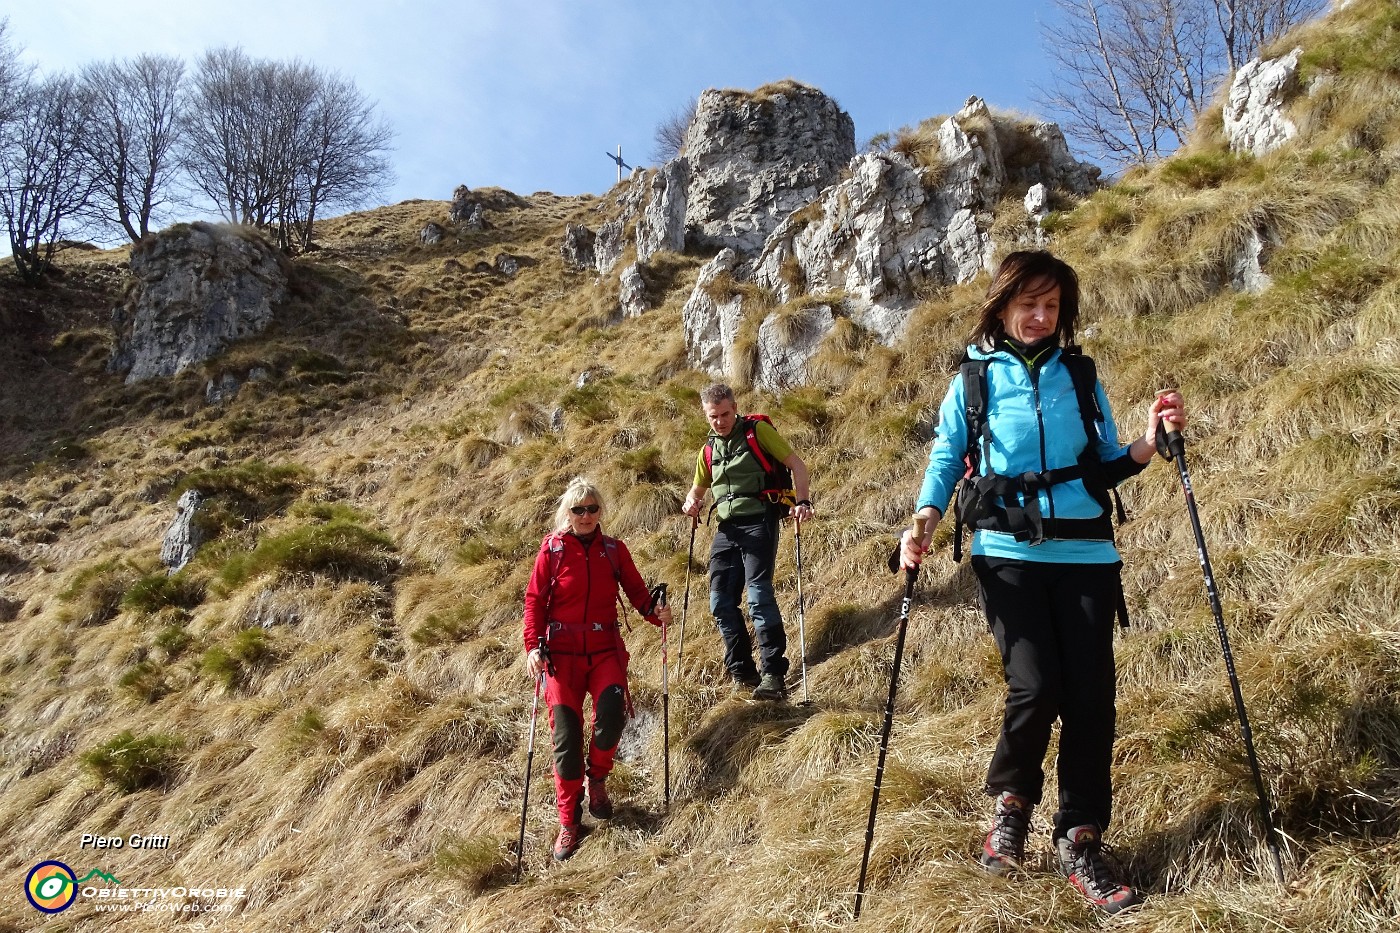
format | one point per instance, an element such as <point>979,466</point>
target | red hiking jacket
<point>575,588</point>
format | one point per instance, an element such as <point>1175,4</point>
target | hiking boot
<point>599,803</point>
<point>1004,847</point>
<point>742,679</point>
<point>567,841</point>
<point>1081,854</point>
<point>770,687</point>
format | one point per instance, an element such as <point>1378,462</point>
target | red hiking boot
<point>1082,862</point>
<point>567,842</point>
<point>1004,846</point>
<point>599,803</point>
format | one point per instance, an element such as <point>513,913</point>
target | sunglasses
<point>580,509</point>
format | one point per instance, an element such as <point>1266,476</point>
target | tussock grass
<point>130,763</point>
<point>383,493</point>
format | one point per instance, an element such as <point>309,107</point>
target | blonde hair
<point>579,489</point>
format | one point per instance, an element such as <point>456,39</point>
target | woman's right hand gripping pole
<point>912,549</point>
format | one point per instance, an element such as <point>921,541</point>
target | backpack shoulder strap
<point>751,437</point>
<point>555,543</point>
<point>1084,374</point>
<point>610,549</point>
<point>974,379</point>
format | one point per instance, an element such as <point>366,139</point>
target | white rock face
<point>756,157</point>
<point>577,246</point>
<point>633,300</point>
<point>784,349</point>
<point>893,227</point>
<point>711,324</point>
<point>200,287</point>
<point>1247,272</point>
<point>611,240</point>
<point>1254,118</point>
<point>662,225</point>
<point>183,537</point>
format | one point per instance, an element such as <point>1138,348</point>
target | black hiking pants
<point>1054,626</point>
<point>741,564</point>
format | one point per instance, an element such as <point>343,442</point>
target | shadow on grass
<point>733,735</point>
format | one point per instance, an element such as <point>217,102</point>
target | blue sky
<point>529,95</point>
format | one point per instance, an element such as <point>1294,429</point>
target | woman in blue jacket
<point>1043,553</point>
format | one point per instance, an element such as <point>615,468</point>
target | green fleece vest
<point>736,477</point>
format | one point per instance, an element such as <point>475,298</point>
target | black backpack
<point>976,502</point>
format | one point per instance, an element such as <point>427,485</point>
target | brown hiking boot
<point>1004,846</point>
<point>1081,861</point>
<point>599,803</point>
<point>567,842</point>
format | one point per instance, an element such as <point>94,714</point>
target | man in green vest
<point>746,539</point>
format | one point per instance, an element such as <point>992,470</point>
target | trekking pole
<point>910,576</point>
<point>801,622</point>
<point>1176,446</point>
<point>658,598</point>
<point>530,760</point>
<point>685,602</point>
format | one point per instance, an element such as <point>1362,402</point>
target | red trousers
<point>605,677</point>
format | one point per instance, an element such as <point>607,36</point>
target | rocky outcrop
<point>611,241</point>
<point>662,224</point>
<point>632,300</point>
<point>711,316</point>
<point>1247,268</point>
<point>199,287</point>
<point>577,246</point>
<point>1254,118</point>
<point>431,234</point>
<point>786,341</point>
<point>183,537</point>
<point>895,226</point>
<point>754,158</point>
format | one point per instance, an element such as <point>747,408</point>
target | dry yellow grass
<point>357,761</point>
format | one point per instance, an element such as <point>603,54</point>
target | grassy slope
<point>356,765</point>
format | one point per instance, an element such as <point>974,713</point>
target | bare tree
<point>44,188</point>
<point>344,155</point>
<point>130,142</point>
<point>669,139</point>
<point>13,76</point>
<point>272,144</point>
<point>1133,76</point>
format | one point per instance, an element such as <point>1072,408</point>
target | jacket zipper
<point>1040,427</point>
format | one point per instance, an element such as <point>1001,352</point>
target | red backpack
<point>777,490</point>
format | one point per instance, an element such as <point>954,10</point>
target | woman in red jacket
<point>571,607</point>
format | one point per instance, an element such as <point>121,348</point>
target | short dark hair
<point>1019,271</point>
<point>714,394</point>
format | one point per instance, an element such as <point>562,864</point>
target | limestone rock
<point>183,537</point>
<point>754,158</point>
<point>1247,270</point>
<point>466,210</point>
<point>200,286</point>
<point>1253,116</point>
<point>786,342</point>
<point>662,225</point>
<point>577,246</point>
<point>711,317</point>
<point>612,236</point>
<point>222,390</point>
<point>633,300</point>
<point>893,227</point>
<point>507,265</point>
<point>430,234</point>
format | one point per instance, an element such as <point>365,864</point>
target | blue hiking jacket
<point>1036,425</point>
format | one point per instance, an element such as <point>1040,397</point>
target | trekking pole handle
<point>920,525</point>
<point>1170,442</point>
